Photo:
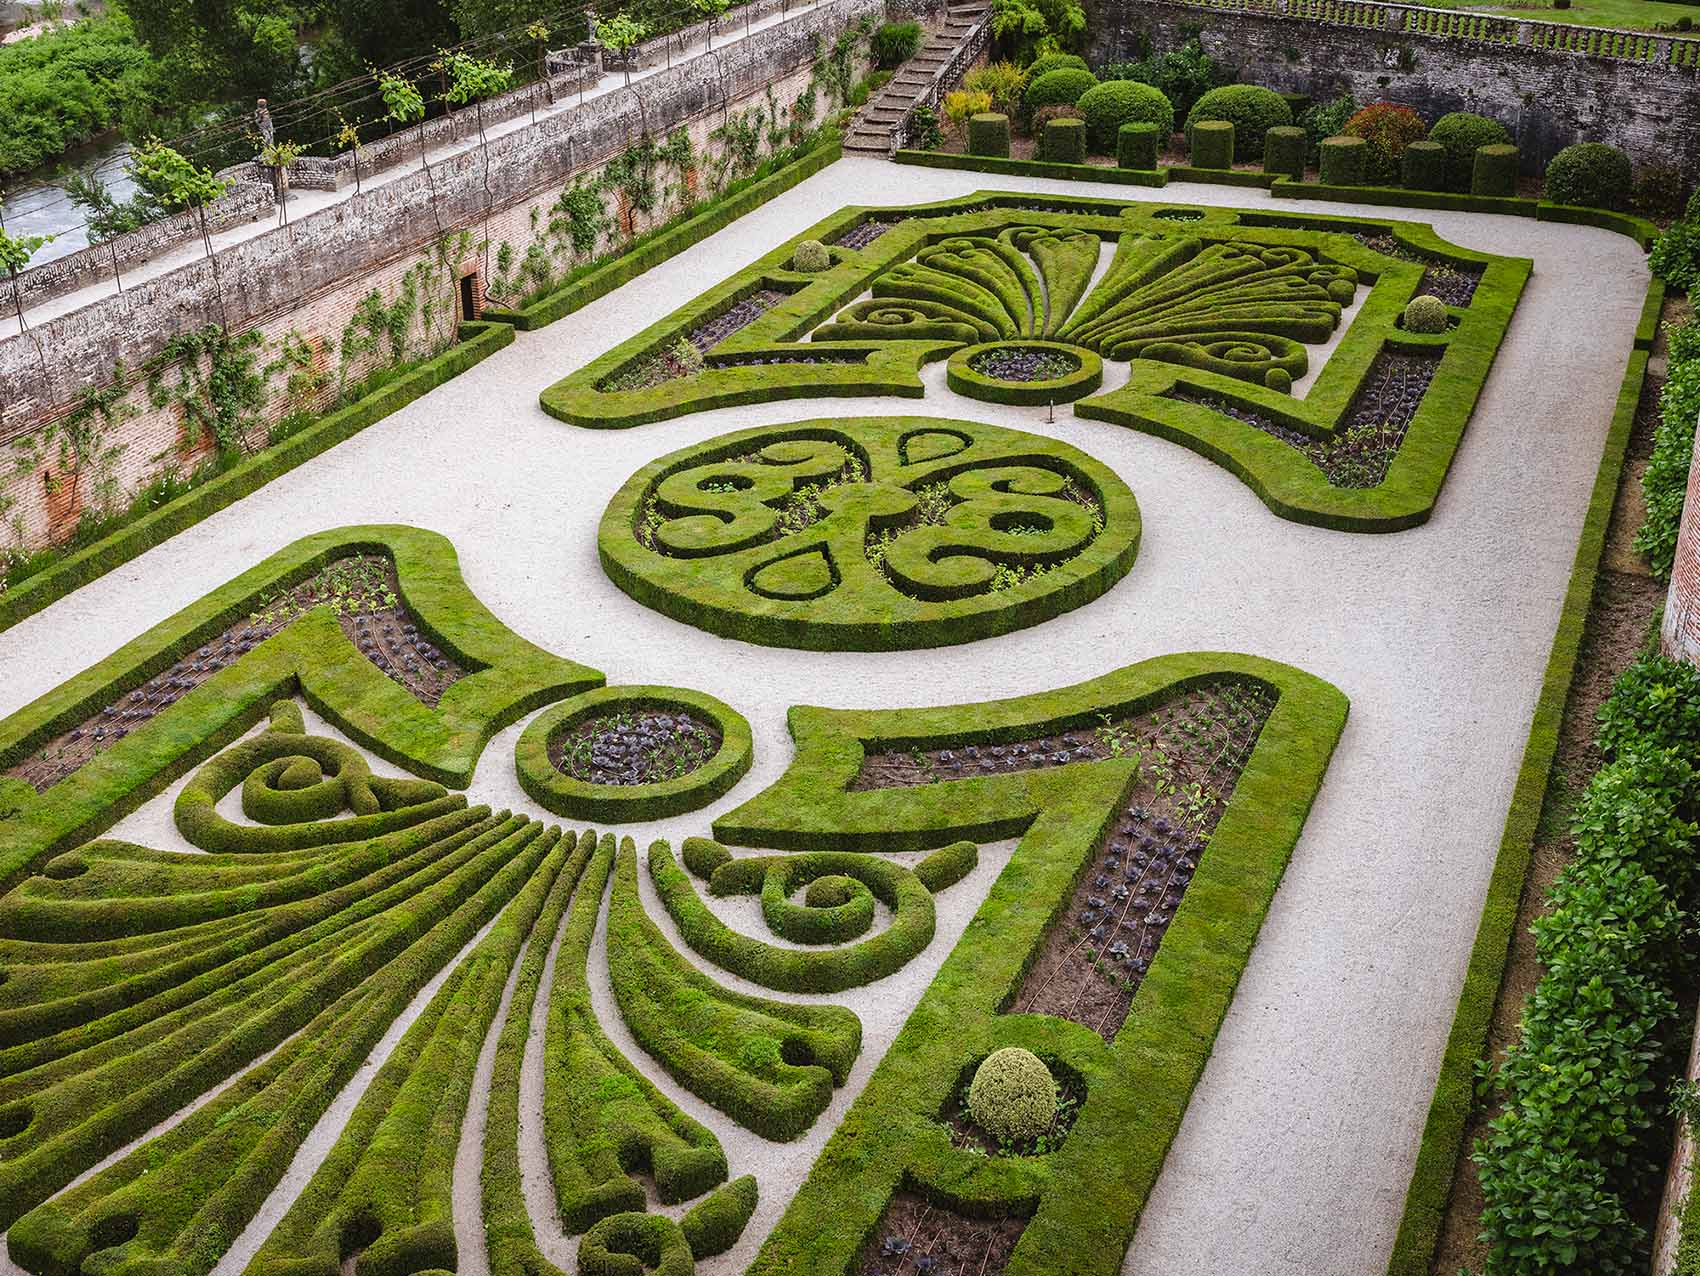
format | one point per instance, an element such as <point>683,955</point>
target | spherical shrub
<point>1213,144</point>
<point>1013,1095</point>
<point>1062,87</point>
<point>1106,107</point>
<point>1462,134</point>
<point>988,134</point>
<point>1284,151</point>
<point>1424,167</point>
<point>1425,314</point>
<point>1053,62</point>
<point>1495,171</point>
<point>811,255</point>
<point>1063,142</point>
<point>1252,110</point>
<point>1278,379</point>
<point>1343,161</point>
<point>1388,129</point>
<point>830,891</point>
<point>1590,173</point>
<point>1136,146</point>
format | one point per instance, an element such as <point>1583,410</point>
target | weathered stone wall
<point>1681,629</point>
<point>320,287</point>
<point>1550,86</point>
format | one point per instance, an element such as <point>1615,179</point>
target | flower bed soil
<point>667,365</point>
<point>918,1238</point>
<point>647,746</point>
<point>865,234</point>
<point>1453,284</point>
<point>1024,363</point>
<point>1191,751</point>
<point>366,596</point>
<point>1360,454</point>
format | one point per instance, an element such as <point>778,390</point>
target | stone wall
<point>1681,631</point>
<point>1549,84</point>
<point>373,280</point>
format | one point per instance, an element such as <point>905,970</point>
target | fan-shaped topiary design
<point>882,533</point>
<point>1014,1095</point>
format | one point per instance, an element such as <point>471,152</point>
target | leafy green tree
<point>712,10</point>
<point>15,254</point>
<point>1032,28</point>
<point>217,51</point>
<point>178,184</point>
<point>404,104</point>
<point>473,80</point>
<point>60,89</point>
<point>621,33</point>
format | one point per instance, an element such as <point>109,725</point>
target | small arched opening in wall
<point>470,291</point>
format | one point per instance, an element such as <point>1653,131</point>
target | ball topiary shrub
<point>811,255</point>
<point>1062,87</point>
<point>1063,141</point>
<point>1495,171</point>
<point>1423,167</point>
<point>1107,106</point>
<point>1213,144</point>
<point>1387,128</point>
<point>1462,134</point>
<point>1013,1095</point>
<point>1425,314</point>
<point>1343,161</point>
<point>1284,151</point>
<point>988,134</point>
<point>1252,110</point>
<point>1278,379</point>
<point>1590,173</point>
<point>1136,146</point>
<point>1053,62</point>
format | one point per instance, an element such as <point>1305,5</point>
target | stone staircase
<point>937,67</point>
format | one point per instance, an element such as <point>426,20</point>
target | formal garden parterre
<point>970,960</point>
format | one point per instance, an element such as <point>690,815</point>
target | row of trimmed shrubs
<point>1578,1142</point>
<point>1665,482</point>
<point>1074,113</point>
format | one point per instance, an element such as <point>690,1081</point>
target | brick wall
<point>1681,632</point>
<point>1635,92</point>
<point>305,287</point>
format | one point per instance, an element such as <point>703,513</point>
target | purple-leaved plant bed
<point>1025,363</point>
<point>642,746</point>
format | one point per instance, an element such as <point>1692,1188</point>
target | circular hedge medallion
<point>873,534</point>
<point>624,754</point>
<point>1027,373</point>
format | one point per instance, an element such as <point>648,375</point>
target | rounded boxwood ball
<point>1213,144</point>
<point>830,891</point>
<point>1462,133</point>
<point>1108,106</point>
<point>1053,62</point>
<point>1013,1095</point>
<point>1423,166</point>
<point>811,256</point>
<point>1284,151</point>
<point>1136,146</point>
<point>1425,314</point>
<point>1063,87</point>
<point>1343,160</point>
<point>988,134</point>
<point>1590,173</point>
<point>1064,142</point>
<point>1251,109</point>
<point>1495,171</point>
<point>1278,379</point>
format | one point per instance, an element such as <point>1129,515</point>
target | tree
<point>404,104</point>
<point>177,184</point>
<point>219,50</point>
<point>473,80</point>
<point>15,254</point>
<point>1036,27</point>
<point>621,33</point>
<point>710,9</point>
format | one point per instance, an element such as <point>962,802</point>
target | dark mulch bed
<point>918,1238</point>
<point>645,746</point>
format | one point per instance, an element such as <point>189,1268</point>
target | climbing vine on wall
<point>218,391</point>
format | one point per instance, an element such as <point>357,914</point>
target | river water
<point>36,203</point>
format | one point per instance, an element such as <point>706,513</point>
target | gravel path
<point>1295,1153</point>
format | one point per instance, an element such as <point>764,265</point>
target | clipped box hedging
<point>1063,86</point>
<point>1109,106</point>
<point>1495,172</point>
<point>1461,134</point>
<point>715,1224</point>
<point>1213,144</point>
<point>1343,160</point>
<point>1423,166</point>
<point>1590,174</point>
<point>1252,109</point>
<point>1064,141</point>
<point>1137,145</point>
<point>1284,152</point>
<point>625,804</point>
<point>1122,176</point>
<point>988,134</point>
